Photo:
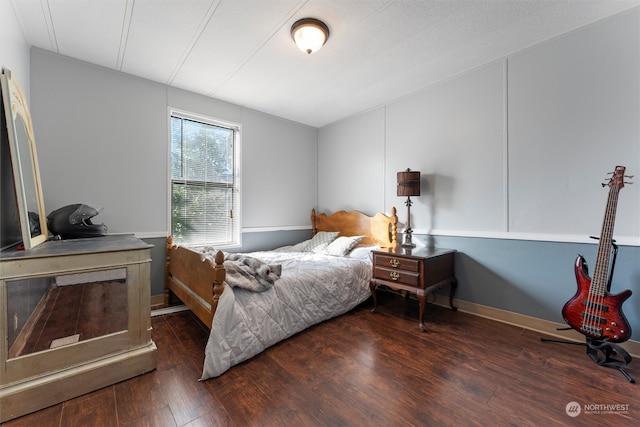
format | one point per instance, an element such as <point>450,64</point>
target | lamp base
<point>408,243</point>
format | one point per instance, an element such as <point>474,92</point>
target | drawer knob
<point>394,262</point>
<point>394,275</point>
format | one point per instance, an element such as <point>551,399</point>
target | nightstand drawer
<point>408,264</point>
<point>390,275</point>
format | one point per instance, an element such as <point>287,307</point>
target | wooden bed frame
<point>198,281</point>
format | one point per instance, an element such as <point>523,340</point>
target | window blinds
<point>203,188</point>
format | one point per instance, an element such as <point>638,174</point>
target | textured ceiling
<point>241,51</point>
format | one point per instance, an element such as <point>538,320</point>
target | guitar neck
<point>601,271</point>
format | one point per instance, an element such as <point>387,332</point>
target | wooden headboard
<point>380,229</point>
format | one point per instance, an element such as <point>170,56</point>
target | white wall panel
<point>453,133</point>
<point>14,54</point>
<point>278,171</point>
<point>351,164</point>
<point>101,138</point>
<point>573,116</point>
<point>203,105</point>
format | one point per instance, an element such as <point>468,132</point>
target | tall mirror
<point>33,219</point>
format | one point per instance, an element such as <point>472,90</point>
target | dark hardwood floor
<point>363,368</point>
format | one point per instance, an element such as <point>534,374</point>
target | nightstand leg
<point>454,286</point>
<point>372,287</point>
<point>422,300</point>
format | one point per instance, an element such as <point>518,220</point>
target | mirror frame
<point>15,106</point>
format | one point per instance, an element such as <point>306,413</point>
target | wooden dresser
<point>418,272</point>
<point>75,317</point>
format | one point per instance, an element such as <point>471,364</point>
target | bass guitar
<point>593,311</point>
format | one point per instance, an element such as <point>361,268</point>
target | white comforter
<point>312,288</point>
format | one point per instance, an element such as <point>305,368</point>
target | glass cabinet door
<point>50,312</point>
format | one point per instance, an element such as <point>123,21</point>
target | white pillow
<point>342,245</point>
<point>321,240</point>
<point>363,252</point>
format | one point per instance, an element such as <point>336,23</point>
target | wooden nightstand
<point>419,272</point>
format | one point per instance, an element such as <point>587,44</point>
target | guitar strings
<point>595,306</point>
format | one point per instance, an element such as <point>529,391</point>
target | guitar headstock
<point>617,180</point>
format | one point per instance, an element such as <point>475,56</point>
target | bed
<point>252,301</point>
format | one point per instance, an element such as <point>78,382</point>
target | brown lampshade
<point>409,183</point>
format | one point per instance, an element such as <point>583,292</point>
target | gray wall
<point>102,139</point>
<point>14,56</point>
<point>512,155</point>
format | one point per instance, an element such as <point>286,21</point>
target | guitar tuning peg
<point>629,176</point>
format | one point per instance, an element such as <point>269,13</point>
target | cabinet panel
<point>76,315</point>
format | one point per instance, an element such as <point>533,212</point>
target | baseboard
<point>168,310</point>
<point>158,307</point>
<point>544,327</point>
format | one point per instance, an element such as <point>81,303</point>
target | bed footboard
<point>195,279</point>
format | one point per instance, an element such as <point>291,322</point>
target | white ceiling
<point>241,51</point>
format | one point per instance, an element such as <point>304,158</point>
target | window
<point>204,190</point>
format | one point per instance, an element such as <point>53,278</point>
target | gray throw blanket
<point>250,273</point>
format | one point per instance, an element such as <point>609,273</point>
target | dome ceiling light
<point>309,34</point>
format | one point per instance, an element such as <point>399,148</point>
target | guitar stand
<point>607,348</point>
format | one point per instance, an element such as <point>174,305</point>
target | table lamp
<point>408,185</point>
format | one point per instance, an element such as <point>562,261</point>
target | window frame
<point>236,188</point>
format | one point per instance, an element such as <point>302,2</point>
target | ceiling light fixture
<point>309,34</point>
